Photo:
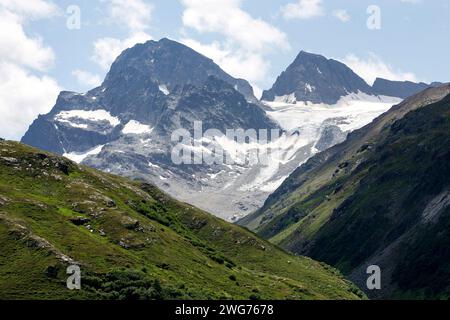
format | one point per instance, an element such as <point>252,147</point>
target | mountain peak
<point>314,78</point>
<point>306,54</point>
<point>170,64</point>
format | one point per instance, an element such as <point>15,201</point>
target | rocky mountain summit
<point>314,78</point>
<point>319,80</point>
<point>144,83</point>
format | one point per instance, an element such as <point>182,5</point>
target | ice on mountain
<point>135,127</point>
<point>290,98</point>
<point>78,157</point>
<point>72,117</point>
<point>359,109</point>
<point>163,89</point>
<point>153,165</point>
<point>309,88</point>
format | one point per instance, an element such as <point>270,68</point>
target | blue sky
<point>253,39</point>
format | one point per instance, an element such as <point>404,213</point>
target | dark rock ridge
<point>401,89</point>
<point>170,64</point>
<point>217,104</point>
<point>314,78</point>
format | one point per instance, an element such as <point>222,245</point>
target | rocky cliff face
<point>316,79</point>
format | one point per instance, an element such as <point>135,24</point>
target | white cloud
<point>106,50</point>
<point>86,78</point>
<point>24,95</point>
<point>303,9</point>
<point>15,45</point>
<point>227,18</point>
<point>372,67</point>
<point>239,63</point>
<point>135,16</point>
<point>411,1</point>
<point>246,40</point>
<point>30,9</point>
<point>342,15</point>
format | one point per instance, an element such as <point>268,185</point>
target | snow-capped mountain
<point>143,83</point>
<point>126,126</point>
<point>314,78</point>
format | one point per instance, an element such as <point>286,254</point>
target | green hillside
<point>382,197</point>
<point>132,241</point>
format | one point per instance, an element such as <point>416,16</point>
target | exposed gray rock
<point>144,83</point>
<point>401,89</point>
<point>436,206</point>
<point>79,221</point>
<point>330,136</point>
<point>314,78</point>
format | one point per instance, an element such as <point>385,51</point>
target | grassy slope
<point>365,200</point>
<point>138,242</point>
<point>406,171</point>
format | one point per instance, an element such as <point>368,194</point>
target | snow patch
<point>351,112</point>
<point>135,127</point>
<point>309,88</point>
<point>212,176</point>
<point>289,98</point>
<point>153,165</point>
<point>78,157</point>
<point>71,116</point>
<point>163,89</point>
